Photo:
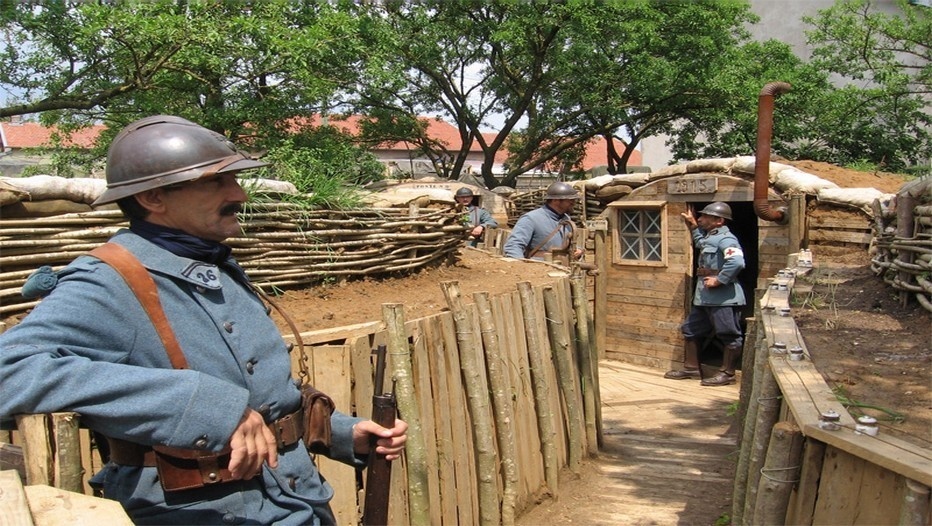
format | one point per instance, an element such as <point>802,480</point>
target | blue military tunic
<point>89,347</point>
<point>533,228</point>
<point>720,251</point>
<point>477,216</point>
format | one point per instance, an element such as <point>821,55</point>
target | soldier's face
<point>206,208</point>
<point>563,206</point>
<point>709,222</point>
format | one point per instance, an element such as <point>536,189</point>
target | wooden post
<point>905,229</point>
<point>560,350</point>
<point>747,436</point>
<point>14,508</point>
<point>539,385</point>
<point>779,474</point>
<point>504,411</point>
<point>416,450</point>
<point>51,447</point>
<point>767,414</point>
<point>915,510</point>
<point>477,396</point>
<point>588,364</point>
<point>797,226</point>
<point>600,295</point>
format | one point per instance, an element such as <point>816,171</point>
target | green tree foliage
<point>558,73</point>
<point>242,68</point>
<point>553,75</point>
<point>882,114</point>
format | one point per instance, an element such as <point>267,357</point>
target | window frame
<point>617,208</point>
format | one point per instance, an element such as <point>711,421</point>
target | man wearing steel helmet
<point>719,296</point>
<point>91,347</point>
<point>478,218</point>
<point>546,229</point>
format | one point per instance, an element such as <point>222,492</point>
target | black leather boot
<point>726,374</point>
<point>690,365</point>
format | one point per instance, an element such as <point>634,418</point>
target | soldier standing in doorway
<point>479,219</point>
<point>718,299</point>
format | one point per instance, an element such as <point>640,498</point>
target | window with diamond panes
<point>640,235</point>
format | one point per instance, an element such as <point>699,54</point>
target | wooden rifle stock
<point>379,470</point>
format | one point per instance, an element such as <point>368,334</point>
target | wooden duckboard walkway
<point>668,456</point>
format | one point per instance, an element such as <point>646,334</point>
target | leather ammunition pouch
<point>703,272</point>
<point>316,409</point>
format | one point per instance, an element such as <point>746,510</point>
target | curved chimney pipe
<point>762,157</point>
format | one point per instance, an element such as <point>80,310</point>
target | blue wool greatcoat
<point>532,229</point>
<point>719,250</point>
<point>89,347</point>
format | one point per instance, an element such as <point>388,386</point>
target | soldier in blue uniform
<point>718,297</point>
<point>479,219</point>
<point>90,347</point>
<point>546,229</point>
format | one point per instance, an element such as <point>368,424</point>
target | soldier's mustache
<point>231,209</point>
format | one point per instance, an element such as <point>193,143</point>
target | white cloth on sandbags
<point>797,181</point>
<point>860,198</point>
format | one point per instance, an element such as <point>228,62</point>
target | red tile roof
<point>34,135</point>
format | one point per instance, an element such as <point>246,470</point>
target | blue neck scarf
<point>180,243</point>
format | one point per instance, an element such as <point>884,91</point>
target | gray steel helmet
<point>162,150</point>
<point>464,192</point>
<point>717,209</point>
<point>561,190</point>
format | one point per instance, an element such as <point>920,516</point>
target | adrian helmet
<point>464,192</point>
<point>717,209</point>
<point>162,150</point>
<point>561,190</point>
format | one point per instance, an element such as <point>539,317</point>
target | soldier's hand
<point>252,444</point>
<point>477,231</point>
<point>711,282</point>
<point>391,442</point>
<point>689,219</point>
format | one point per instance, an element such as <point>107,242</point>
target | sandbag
<point>860,198</point>
<point>47,187</point>
<point>9,193</point>
<point>798,181</point>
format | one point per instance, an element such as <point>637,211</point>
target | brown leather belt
<point>703,272</point>
<point>181,468</point>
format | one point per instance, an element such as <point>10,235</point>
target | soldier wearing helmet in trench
<point>478,218</point>
<point>548,228</point>
<point>90,347</point>
<point>718,298</point>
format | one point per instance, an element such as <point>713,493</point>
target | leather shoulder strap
<point>535,250</point>
<point>143,286</point>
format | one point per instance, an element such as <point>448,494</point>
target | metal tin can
<point>785,311</point>
<point>778,348</point>
<point>796,354</point>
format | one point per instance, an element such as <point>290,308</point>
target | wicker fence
<point>904,244</point>
<point>282,245</point>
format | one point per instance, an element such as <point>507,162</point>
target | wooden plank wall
<point>341,364</point>
<point>845,477</point>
